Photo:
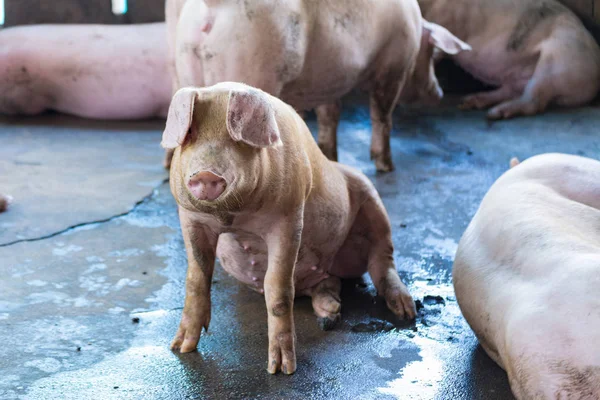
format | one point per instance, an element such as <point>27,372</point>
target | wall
<point>21,12</point>
<point>25,12</point>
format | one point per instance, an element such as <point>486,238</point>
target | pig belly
<point>244,257</point>
<point>498,71</point>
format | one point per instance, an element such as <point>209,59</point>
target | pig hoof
<point>384,165</point>
<point>282,353</point>
<point>383,162</point>
<point>495,115</point>
<point>401,303</point>
<point>327,324</point>
<point>188,335</point>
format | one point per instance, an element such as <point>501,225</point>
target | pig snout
<point>206,186</point>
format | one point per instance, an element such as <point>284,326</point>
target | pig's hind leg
<point>327,303</point>
<point>383,98</point>
<point>558,79</point>
<point>381,264</point>
<point>481,100</point>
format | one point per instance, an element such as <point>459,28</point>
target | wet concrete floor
<point>93,267</point>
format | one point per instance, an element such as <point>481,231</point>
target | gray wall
<point>25,12</point>
<point>21,12</point>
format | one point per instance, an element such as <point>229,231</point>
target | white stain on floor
<point>127,282</point>
<point>94,268</point>
<point>445,247</point>
<point>37,283</point>
<point>63,251</point>
<point>47,297</point>
<point>419,379</point>
<point>49,365</point>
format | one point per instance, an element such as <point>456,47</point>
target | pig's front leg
<point>328,118</point>
<point>384,97</point>
<point>200,245</point>
<point>283,242</point>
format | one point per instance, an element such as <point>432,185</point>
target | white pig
<point>310,54</point>
<point>92,71</point>
<point>536,52</point>
<point>527,277</point>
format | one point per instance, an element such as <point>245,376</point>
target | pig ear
<point>251,118</point>
<point>442,39</point>
<point>179,119</point>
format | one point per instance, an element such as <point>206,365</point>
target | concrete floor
<point>93,267</point>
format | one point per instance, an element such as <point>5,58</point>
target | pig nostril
<point>206,185</point>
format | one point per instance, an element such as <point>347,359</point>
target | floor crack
<point>82,224</point>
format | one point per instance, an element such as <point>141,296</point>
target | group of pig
<point>254,189</point>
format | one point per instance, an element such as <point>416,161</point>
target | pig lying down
<point>254,189</point>
<point>527,273</point>
<point>310,54</point>
<point>536,52</point>
<point>92,71</point>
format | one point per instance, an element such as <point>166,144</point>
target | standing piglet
<point>310,54</point>
<point>536,52</point>
<point>254,189</point>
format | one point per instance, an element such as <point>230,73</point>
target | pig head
<point>218,164</point>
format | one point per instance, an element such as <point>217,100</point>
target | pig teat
<point>207,186</point>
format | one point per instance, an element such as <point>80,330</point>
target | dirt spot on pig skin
<point>249,11</point>
<point>207,55</point>
<point>280,309</point>
<point>21,92</point>
<point>193,48</point>
<point>293,59</point>
<point>531,17</point>
<point>343,22</point>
